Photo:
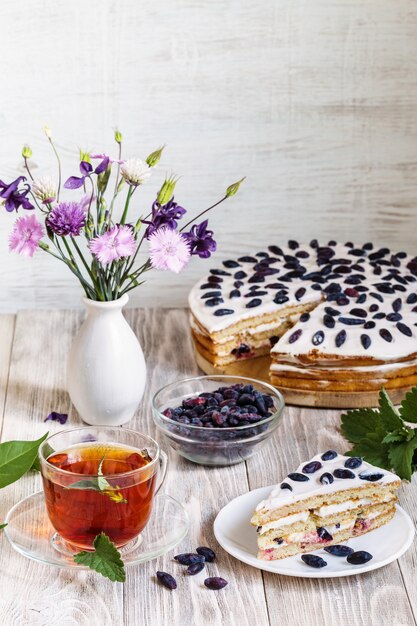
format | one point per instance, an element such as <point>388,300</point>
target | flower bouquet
<point>97,234</point>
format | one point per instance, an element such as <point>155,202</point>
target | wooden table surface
<point>33,351</point>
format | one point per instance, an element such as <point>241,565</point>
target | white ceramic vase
<point>106,368</point>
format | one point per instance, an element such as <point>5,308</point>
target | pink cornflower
<point>116,243</point>
<point>168,250</point>
<point>25,236</point>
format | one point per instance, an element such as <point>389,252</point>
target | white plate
<point>235,534</point>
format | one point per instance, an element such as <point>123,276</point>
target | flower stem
<point>202,213</point>
<point>126,209</point>
<point>27,167</point>
<point>118,170</point>
<point>84,262</point>
<point>59,167</point>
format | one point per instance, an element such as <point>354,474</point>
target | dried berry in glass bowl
<point>217,420</point>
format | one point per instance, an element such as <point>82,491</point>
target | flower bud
<point>85,156</point>
<point>154,157</point>
<point>233,189</point>
<point>43,246</point>
<point>103,179</point>
<point>167,191</point>
<point>47,131</point>
<point>26,151</point>
<point>118,137</point>
<point>89,227</point>
<point>138,225</point>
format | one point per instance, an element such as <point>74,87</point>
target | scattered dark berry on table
<point>195,568</point>
<point>353,462</point>
<point>166,580</point>
<point>215,583</point>
<point>359,558</point>
<point>208,553</point>
<point>189,558</point>
<point>313,560</point>
<point>329,455</point>
<point>339,550</point>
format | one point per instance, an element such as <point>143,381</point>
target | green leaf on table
<point>408,408</point>
<point>106,559</point>
<point>358,423</point>
<point>401,456</point>
<point>388,413</point>
<point>16,458</point>
<point>2,526</point>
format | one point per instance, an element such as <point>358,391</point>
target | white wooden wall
<point>315,101</point>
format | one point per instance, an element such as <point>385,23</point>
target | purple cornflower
<point>166,215</point>
<point>201,240</point>
<point>68,218</point>
<point>13,198</point>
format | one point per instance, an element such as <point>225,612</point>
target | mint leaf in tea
<point>93,488</point>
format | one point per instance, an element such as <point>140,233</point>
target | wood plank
<point>7,323</point>
<point>39,594</point>
<point>36,387</point>
<point>378,597</point>
<point>166,341</point>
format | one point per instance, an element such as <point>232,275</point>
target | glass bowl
<point>214,445</point>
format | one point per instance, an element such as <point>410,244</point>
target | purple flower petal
<point>57,417</point>
<point>101,167</point>
<point>85,168</point>
<point>201,240</point>
<point>74,182</point>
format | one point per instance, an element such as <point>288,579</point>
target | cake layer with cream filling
<point>326,500</point>
<point>325,311</point>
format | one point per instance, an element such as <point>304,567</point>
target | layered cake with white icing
<point>335,317</point>
<point>325,501</point>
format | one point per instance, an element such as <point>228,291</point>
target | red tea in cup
<point>99,487</point>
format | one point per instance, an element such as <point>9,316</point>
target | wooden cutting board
<point>259,369</point>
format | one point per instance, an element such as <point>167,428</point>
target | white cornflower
<point>135,171</point>
<point>44,189</point>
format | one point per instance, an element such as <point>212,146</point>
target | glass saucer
<point>31,533</point>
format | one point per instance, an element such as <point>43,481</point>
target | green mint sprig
<point>382,437</point>
<point>106,559</point>
<point>2,526</point>
<point>100,484</point>
<point>17,458</point>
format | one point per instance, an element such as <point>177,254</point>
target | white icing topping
<point>279,498</point>
<point>401,346</point>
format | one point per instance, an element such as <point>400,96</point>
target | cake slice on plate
<point>325,501</point>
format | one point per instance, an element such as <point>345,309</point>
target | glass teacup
<point>100,479</point>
